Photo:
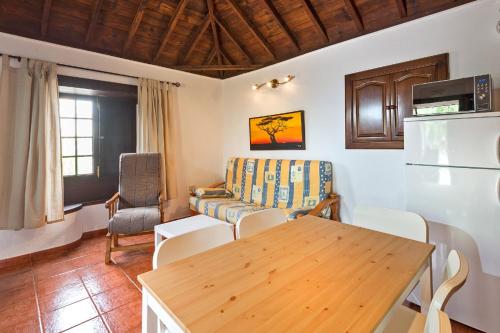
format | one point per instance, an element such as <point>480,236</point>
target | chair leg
<point>107,257</point>
<point>115,240</point>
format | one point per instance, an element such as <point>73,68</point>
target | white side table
<point>179,227</point>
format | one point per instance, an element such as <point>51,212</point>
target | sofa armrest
<point>333,201</point>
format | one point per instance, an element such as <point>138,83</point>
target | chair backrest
<point>279,183</point>
<point>395,222</point>
<point>455,275</point>
<point>140,180</point>
<point>437,322</point>
<point>191,243</point>
<point>254,223</point>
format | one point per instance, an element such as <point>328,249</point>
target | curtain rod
<point>177,84</point>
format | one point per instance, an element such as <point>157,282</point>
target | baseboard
<point>25,260</point>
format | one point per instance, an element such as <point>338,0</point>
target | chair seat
<point>134,220</point>
<point>406,320</point>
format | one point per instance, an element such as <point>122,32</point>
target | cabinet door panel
<point>402,96</point>
<point>370,98</point>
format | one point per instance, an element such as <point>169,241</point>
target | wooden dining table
<point>308,275</point>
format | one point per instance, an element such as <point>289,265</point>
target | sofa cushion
<point>231,210</point>
<point>279,183</point>
<point>134,220</point>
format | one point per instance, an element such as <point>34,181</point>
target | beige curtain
<point>31,183</point>
<point>155,130</point>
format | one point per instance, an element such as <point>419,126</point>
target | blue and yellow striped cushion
<point>231,210</point>
<point>295,184</point>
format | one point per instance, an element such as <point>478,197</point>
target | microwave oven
<point>471,94</point>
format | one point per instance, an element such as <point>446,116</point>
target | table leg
<point>158,239</point>
<point>426,288</point>
<point>149,318</point>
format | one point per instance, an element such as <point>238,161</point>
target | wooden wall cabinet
<point>377,101</point>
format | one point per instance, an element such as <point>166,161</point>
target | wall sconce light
<point>274,83</point>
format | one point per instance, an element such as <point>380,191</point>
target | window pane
<point>84,109</point>
<point>84,146</point>
<point>67,127</point>
<point>69,166</point>
<point>66,107</point>
<point>84,127</point>
<point>68,147</point>
<point>85,165</point>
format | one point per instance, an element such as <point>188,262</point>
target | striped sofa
<point>298,187</point>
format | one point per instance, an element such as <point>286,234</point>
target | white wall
<point>376,177</point>
<point>199,104</point>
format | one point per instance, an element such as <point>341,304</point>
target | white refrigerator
<point>453,181</point>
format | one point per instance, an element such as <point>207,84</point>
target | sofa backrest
<point>279,183</point>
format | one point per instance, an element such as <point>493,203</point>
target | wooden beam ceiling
<point>45,17</point>
<point>313,16</point>
<point>135,26</point>
<point>172,23</point>
<point>233,40</point>
<point>354,14</point>
<point>201,68</point>
<point>244,34</point>
<point>282,24</point>
<point>402,9</point>
<point>191,45</point>
<point>96,8</point>
<point>258,36</point>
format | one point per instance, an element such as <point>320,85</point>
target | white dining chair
<point>395,222</point>
<point>403,224</point>
<point>408,320</point>
<point>259,221</point>
<point>191,243</point>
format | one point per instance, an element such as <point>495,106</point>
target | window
<point>77,135</point>
<point>98,124</point>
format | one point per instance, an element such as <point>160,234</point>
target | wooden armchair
<point>137,207</point>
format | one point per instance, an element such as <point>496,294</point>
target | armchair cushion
<point>134,220</point>
<point>140,180</point>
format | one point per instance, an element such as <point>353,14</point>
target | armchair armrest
<point>112,204</point>
<point>160,206</point>
<point>333,201</point>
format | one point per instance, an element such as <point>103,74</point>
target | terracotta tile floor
<point>75,291</point>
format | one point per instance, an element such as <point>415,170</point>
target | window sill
<point>72,208</point>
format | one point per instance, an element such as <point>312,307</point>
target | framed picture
<point>284,131</point>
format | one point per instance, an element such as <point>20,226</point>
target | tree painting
<point>274,124</point>
<point>277,131</point>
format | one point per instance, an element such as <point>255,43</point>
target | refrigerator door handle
<point>498,149</point>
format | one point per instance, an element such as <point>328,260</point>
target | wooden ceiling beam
<point>204,68</point>
<point>313,16</point>
<point>45,17</point>
<point>226,58</point>
<point>213,26</point>
<point>283,26</point>
<point>230,35</point>
<point>170,28</point>
<point>196,38</point>
<point>135,26</point>
<point>242,16</point>
<point>402,9</point>
<point>210,57</point>
<point>354,14</point>
<point>94,15</point>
